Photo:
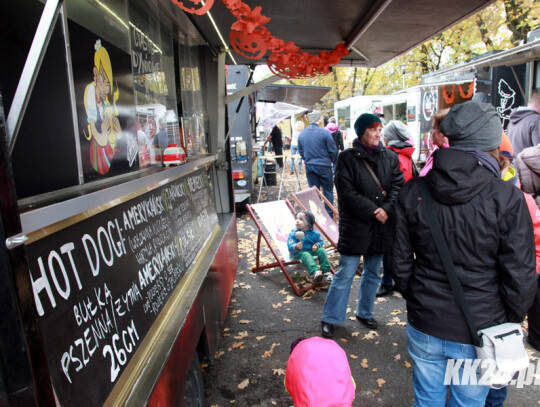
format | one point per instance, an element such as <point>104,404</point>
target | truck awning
<point>375,31</point>
<point>305,96</point>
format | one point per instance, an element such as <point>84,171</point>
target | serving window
<point>135,89</point>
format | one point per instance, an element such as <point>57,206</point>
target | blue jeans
<point>335,305</point>
<point>321,177</point>
<point>430,355</point>
<point>386,275</point>
<point>294,150</point>
<point>496,397</point>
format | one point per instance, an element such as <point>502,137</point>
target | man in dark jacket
<point>366,216</point>
<point>489,233</point>
<point>318,150</point>
<point>524,128</point>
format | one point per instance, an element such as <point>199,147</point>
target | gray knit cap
<point>314,116</point>
<point>396,131</point>
<point>474,125</point>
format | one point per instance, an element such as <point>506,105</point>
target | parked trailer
<point>242,122</point>
<point>402,106</point>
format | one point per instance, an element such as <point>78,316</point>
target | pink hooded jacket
<point>318,375</point>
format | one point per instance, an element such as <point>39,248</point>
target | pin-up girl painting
<point>100,104</point>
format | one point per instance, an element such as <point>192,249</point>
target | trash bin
<point>270,172</point>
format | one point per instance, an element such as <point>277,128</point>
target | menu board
<point>99,284</point>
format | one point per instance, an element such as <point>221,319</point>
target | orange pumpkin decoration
<point>194,6</point>
<point>251,46</point>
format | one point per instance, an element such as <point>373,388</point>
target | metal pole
<point>31,69</point>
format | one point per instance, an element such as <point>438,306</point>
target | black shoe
<point>368,322</point>
<point>327,329</point>
<point>384,290</point>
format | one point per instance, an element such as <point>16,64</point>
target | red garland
<point>251,39</point>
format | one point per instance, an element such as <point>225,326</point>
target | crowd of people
<point>484,190</point>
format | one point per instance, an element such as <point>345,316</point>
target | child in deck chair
<point>304,243</point>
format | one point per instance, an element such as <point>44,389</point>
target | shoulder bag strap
<point>374,176</point>
<point>448,264</point>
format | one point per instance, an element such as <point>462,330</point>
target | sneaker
<point>328,277</point>
<point>318,276</point>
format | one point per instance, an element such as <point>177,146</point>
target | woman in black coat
<point>365,220</point>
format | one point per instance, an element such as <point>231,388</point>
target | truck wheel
<point>194,394</point>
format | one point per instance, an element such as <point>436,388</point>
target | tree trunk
<point>336,83</point>
<point>516,20</point>
<point>353,86</point>
<point>480,23</point>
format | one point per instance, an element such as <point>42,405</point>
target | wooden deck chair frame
<point>280,262</point>
<point>324,200</point>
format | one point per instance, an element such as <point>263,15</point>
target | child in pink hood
<point>318,374</point>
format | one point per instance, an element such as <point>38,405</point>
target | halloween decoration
<point>252,40</point>
<point>198,7</point>
<point>249,45</point>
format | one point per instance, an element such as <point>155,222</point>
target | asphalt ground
<point>265,317</point>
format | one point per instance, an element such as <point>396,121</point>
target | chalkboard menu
<point>99,284</point>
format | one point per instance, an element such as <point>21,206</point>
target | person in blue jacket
<point>304,243</point>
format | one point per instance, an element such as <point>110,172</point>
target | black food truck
<point>117,272</point>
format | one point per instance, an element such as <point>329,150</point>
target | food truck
<point>116,271</point>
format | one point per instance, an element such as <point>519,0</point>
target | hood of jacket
<point>521,113</point>
<point>456,176</point>
<point>403,148</point>
<point>332,127</point>
<point>531,158</point>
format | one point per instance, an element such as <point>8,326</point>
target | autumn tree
<point>502,25</point>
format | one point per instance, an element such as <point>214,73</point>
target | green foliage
<point>502,25</point>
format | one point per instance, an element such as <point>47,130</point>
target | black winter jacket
<point>359,196</point>
<point>488,229</point>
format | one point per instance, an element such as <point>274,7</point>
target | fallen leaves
<point>245,321</point>
<point>288,299</point>
<point>353,356</point>
<point>397,358</point>
<point>238,345</point>
<point>370,335</point>
<point>380,382</point>
<point>364,364</point>
<point>407,365</point>
<point>355,334</point>
<point>219,354</point>
<point>260,338</point>
<point>241,335</point>
<point>269,352</point>
<point>396,312</point>
<point>243,384</point>
<point>279,372</point>
<point>396,321</point>
<point>286,319</point>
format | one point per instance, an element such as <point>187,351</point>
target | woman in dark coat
<point>365,221</point>
<point>488,230</point>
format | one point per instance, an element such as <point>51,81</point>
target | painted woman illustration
<point>100,104</point>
